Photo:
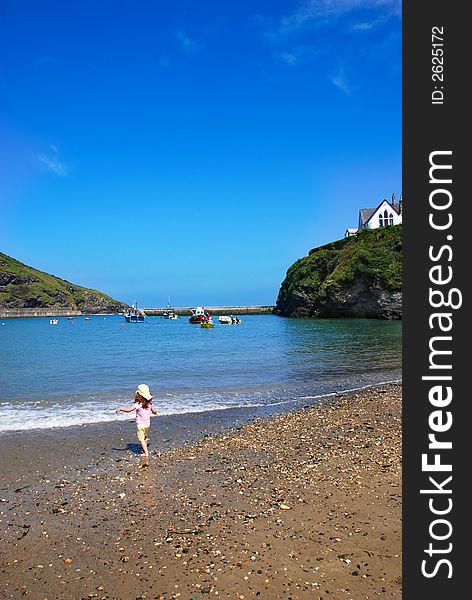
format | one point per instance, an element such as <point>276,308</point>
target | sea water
<point>79,371</point>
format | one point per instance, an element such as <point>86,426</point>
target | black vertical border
<point>427,128</point>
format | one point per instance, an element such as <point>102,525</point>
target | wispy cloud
<point>51,162</point>
<point>307,31</point>
<point>186,42</point>
<point>311,12</point>
<point>341,81</point>
<point>358,16</point>
<point>361,26</point>
<point>297,55</point>
<point>288,58</point>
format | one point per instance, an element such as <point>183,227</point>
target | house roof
<point>365,214</point>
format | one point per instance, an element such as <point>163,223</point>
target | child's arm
<point>130,409</point>
<point>154,411</point>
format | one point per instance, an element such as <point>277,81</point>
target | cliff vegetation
<point>22,286</point>
<point>359,276</point>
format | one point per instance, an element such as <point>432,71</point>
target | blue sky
<point>193,149</point>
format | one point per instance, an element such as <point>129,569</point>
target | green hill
<point>22,286</point>
<point>359,276</point>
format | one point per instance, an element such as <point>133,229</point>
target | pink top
<point>143,415</point>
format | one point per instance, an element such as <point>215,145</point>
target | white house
<point>387,213</point>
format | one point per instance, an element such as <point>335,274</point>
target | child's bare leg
<point>144,447</point>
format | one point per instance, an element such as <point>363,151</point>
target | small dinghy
<point>207,324</point>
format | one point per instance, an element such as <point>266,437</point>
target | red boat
<point>199,315</point>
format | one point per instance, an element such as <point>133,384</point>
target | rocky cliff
<point>354,277</point>
<point>25,287</point>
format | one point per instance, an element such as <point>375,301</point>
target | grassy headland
<point>359,276</point>
<point>22,286</point>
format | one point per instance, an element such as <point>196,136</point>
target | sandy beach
<point>301,505</point>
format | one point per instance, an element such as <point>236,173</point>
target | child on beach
<point>143,407</point>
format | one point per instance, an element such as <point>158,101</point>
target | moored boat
<point>169,315</point>
<point>199,315</point>
<point>134,314</point>
<point>53,322</point>
<point>208,324</point>
<point>169,312</point>
<point>225,320</point>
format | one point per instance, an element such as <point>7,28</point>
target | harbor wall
<point>213,310</point>
<point>150,312</point>
<point>38,312</point>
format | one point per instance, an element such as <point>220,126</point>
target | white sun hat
<point>144,391</point>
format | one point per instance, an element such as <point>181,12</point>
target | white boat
<point>53,322</point>
<point>169,312</point>
<point>225,320</point>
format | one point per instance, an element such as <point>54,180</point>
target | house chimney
<point>393,199</point>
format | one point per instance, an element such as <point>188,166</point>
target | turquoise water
<point>79,371</point>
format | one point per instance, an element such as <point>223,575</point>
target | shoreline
<point>229,416</point>
<point>208,517</point>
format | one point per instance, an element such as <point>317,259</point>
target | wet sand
<point>304,504</point>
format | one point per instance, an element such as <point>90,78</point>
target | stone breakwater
<point>214,310</point>
<point>150,312</point>
<point>38,312</point>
